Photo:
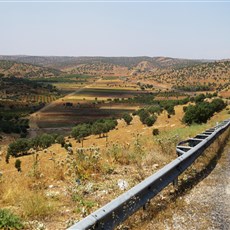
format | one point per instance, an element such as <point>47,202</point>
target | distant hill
<point>18,69</point>
<point>62,61</point>
<point>105,65</point>
<point>215,75</point>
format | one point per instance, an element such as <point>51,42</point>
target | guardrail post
<point>146,205</point>
<point>175,182</point>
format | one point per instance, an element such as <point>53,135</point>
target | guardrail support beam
<point>119,209</point>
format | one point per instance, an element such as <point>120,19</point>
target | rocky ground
<point>209,201</point>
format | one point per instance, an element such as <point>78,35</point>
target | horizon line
<point>119,56</point>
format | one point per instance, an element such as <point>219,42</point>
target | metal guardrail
<point>119,209</point>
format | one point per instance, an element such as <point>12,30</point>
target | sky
<point>194,30</point>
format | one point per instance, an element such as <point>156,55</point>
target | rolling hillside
<point>171,72</point>
<point>105,65</point>
<point>17,69</point>
<point>215,75</point>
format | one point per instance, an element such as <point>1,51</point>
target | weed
<point>35,171</point>
<point>36,205</point>
<point>84,163</point>
<point>84,205</point>
<point>8,220</point>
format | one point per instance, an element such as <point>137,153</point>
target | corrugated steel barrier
<point>119,209</point>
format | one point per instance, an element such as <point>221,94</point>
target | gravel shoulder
<point>206,206</point>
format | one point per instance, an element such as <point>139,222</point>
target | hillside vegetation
<point>63,182</point>
<point>101,132</point>
<point>20,97</point>
<point>179,74</point>
<point>209,76</point>
<point>17,69</point>
<point>117,66</point>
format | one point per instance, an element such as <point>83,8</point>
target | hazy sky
<point>185,30</point>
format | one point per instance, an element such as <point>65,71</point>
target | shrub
<point>155,132</point>
<point>155,109</point>
<point>149,121</point>
<point>9,221</point>
<point>103,126</point>
<point>18,165</point>
<point>7,158</point>
<point>46,140</point>
<point>202,111</point>
<point>143,114</point>
<point>217,105</point>
<point>127,118</point>
<point>19,147</point>
<point>37,206</point>
<point>170,109</point>
<point>61,140</point>
<point>81,131</point>
<point>199,98</point>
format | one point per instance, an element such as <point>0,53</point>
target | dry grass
<point>162,208</point>
<point>132,158</point>
<point>36,205</point>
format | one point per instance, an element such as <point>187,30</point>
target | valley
<point>66,173</point>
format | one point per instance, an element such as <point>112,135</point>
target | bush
<point>127,118</point>
<point>149,121</point>
<point>81,131</point>
<point>155,109</point>
<point>217,105</point>
<point>199,98</point>
<point>36,206</point>
<point>19,147</point>
<point>9,221</point>
<point>103,126</point>
<point>202,111</point>
<point>18,165</point>
<point>46,140</point>
<point>143,114</point>
<point>170,109</point>
<point>155,132</point>
<point>61,140</point>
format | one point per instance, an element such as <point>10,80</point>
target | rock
<point>122,184</point>
<point>52,194</point>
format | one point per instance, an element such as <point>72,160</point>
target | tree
<point>170,109</point>
<point>149,121</point>
<point>202,111</point>
<point>155,109</point>
<point>81,131</point>
<point>218,104</point>
<point>143,114</point>
<point>98,128</point>
<point>19,147</point>
<point>46,140</point>
<point>199,98</point>
<point>61,140</point>
<point>127,118</point>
